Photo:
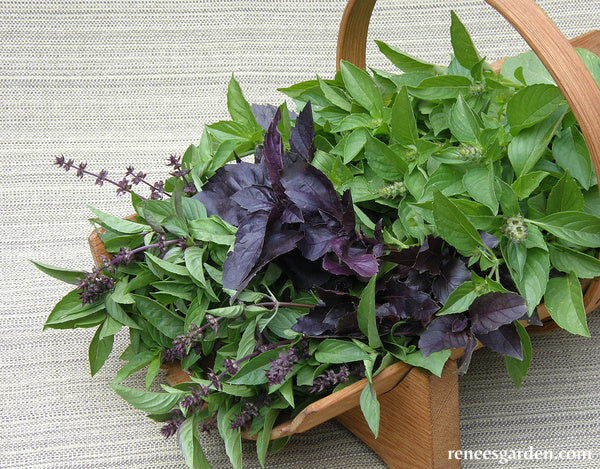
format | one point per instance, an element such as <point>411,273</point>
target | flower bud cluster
<point>391,191</point>
<point>477,89</point>
<point>516,229</point>
<point>329,378</point>
<point>472,153</point>
<point>281,367</point>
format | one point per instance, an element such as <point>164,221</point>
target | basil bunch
<point>395,218</point>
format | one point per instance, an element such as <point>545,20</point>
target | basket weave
<point>411,397</point>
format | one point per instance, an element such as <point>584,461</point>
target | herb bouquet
<point>395,218</point>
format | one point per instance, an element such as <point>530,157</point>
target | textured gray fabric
<point>127,82</point>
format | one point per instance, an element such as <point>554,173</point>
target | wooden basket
<point>411,397</point>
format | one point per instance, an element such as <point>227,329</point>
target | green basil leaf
<point>167,322</point>
<point>116,311</point>
<point>334,96</point>
<point>434,362</point>
<point>70,313</point>
<point>238,107</point>
<point>386,163</point>
<point>118,224</point>
<point>262,441</point>
<point>577,228</point>
<point>151,402</point>
<point>189,444</point>
<point>527,148</point>
<point>65,275</point>
<point>153,369</point>
<point>136,363</point>
<point>194,263</point>
<point>177,270</point>
<point>565,196</point>
<point>441,87</point>
<point>99,350</point>
<point>210,229</point>
<point>564,301</point>
<point>362,88</point>
<point>370,408</point>
<point>464,49</point>
<point>572,154</point>
<point>531,105</point>
<point>407,63</point>
<point>404,124</point>
<point>367,322</point>
<point>453,225</point>
<point>479,183</point>
<point>463,122</point>
<point>517,369</point>
<point>461,298</point>
<point>568,260</point>
<point>527,183</point>
<point>339,351</point>
<point>535,277</point>
<point>231,438</point>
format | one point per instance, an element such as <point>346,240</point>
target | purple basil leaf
<point>439,336</point>
<point>358,260</point>
<point>273,154</point>
<point>348,215</point>
<point>429,257</point>
<point>303,273</point>
<point>408,301</point>
<point>302,135</point>
<point>460,324</point>
<point>405,257</point>
<point>265,113</point>
<point>256,198</point>
<point>291,214</point>
<point>331,265</point>
<point>310,189</point>
<point>249,241</point>
<point>217,192</point>
<point>492,310</point>
<point>453,273</point>
<point>316,242</point>
<point>489,240</point>
<point>419,281</point>
<point>504,340</point>
<point>466,356</point>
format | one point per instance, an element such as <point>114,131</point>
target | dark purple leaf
<point>358,260</point>
<point>504,340</point>
<point>489,240</point>
<point>348,216</point>
<point>460,324</point>
<point>439,336</point>
<point>310,189</point>
<point>492,310</point>
<point>303,273</point>
<point>273,154</point>
<point>303,134</point>
<point>430,257</point>
<point>452,274</point>
<point>316,242</point>
<point>265,113</point>
<point>465,360</point>
<point>247,249</point>
<point>217,192</point>
<point>256,198</point>
<point>408,302</point>
<point>291,214</point>
<point>331,264</point>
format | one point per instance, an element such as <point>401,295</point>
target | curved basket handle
<point>543,36</point>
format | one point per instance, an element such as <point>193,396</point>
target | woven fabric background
<point>126,82</point>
